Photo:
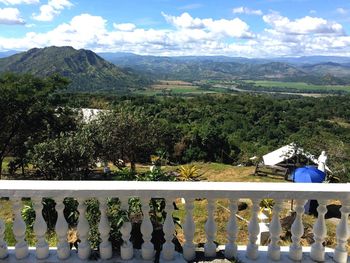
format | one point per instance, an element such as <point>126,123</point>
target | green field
<point>302,86</point>
<point>180,88</point>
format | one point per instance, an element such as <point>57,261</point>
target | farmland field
<point>175,87</point>
<point>302,86</point>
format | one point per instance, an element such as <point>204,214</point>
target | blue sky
<point>259,28</point>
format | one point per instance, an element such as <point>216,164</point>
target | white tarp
<point>287,152</point>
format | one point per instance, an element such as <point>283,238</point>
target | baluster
<point>295,249</point>
<point>168,248</point>
<point>320,232</point>
<point>40,228</point>
<point>147,248</point>
<point>3,245</point>
<point>210,230</point>
<point>19,230</point>
<point>104,229</point>
<point>274,251</point>
<point>63,249</point>
<point>231,246</point>
<point>253,230</point>
<point>83,231</point>
<point>189,251</point>
<point>126,249</point>
<point>340,252</point>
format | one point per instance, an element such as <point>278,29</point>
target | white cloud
<point>228,28</point>
<point>52,9</point>
<point>18,2</point>
<point>305,25</point>
<point>11,16</point>
<point>190,36</point>
<point>247,11</point>
<point>124,26</point>
<point>342,11</point>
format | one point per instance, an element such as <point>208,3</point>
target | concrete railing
<point>83,190</point>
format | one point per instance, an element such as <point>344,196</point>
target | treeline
<point>212,128</point>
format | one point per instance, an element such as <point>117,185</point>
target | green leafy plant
<point>189,173</point>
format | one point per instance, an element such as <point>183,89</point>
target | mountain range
<point>315,70</point>
<point>86,70</point>
<point>89,71</point>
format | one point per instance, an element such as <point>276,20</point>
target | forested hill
<point>86,70</point>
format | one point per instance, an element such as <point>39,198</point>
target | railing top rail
<point>22,188</point>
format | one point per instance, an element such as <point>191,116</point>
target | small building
<point>284,160</point>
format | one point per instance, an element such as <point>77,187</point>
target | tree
<point>127,134</point>
<point>69,156</point>
<point>25,109</point>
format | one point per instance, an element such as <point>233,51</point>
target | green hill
<point>86,70</point>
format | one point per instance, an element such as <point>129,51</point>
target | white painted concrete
<point>177,258</point>
<point>83,190</point>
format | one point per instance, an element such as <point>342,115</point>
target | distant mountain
<point>127,71</point>
<point>86,70</point>
<point>335,69</point>
<point>7,53</point>
<point>191,68</point>
<point>313,60</point>
<point>198,68</point>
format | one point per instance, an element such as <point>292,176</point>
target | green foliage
<point>26,109</point>
<point>126,133</point>
<point>69,156</point>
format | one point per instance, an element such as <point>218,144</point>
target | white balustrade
<point>63,249</point>
<point>341,253</point>
<point>19,230</point>
<point>210,230</point>
<point>40,228</point>
<point>320,232</point>
<point>104,229</point>
<point>16,190</point>
<point>231,246</point>
<point>83,231</point>
<point>253,231</point>
<point>168,229</point>
<point>189,227</point>
<point>126,250</point>
<point>274,250</point>
<point>295,252</point>
<point>147,248</point>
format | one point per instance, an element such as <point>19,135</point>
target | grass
<point>302,86</point>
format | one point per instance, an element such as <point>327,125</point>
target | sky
<point>249,28</point>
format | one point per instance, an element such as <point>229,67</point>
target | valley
<point>127,73</point>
